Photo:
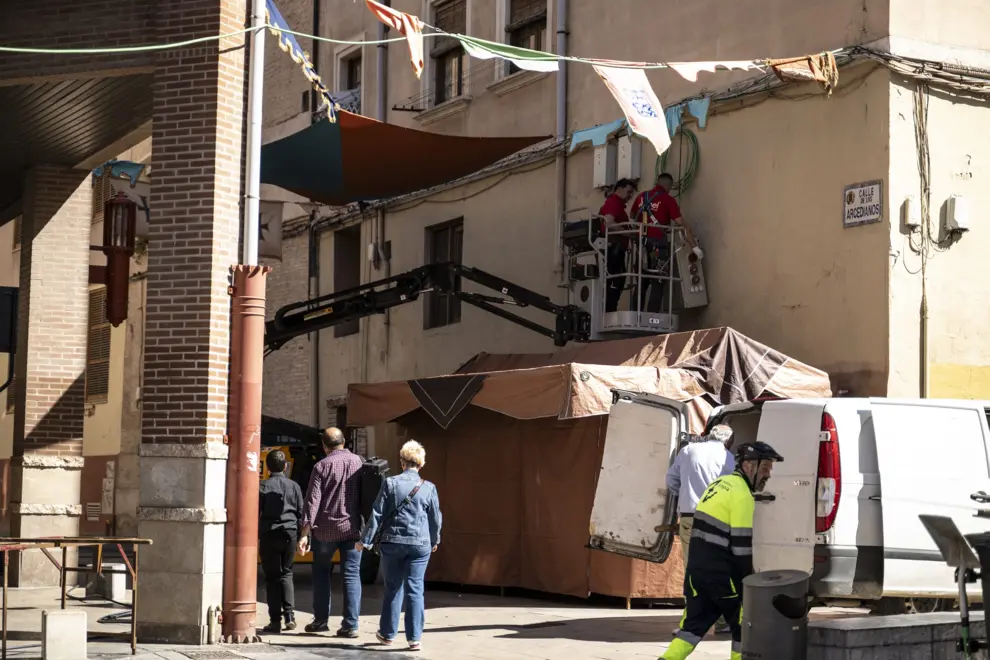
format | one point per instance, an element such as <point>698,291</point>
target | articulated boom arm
<point>304,317</point>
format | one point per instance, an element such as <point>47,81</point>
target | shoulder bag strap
<point>398,508</point>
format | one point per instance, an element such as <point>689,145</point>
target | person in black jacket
<point>280,509</point>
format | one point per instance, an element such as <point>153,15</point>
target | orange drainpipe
<point>240,570</point>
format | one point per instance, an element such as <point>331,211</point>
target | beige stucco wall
<point>959,309</point>
<point>508,231</point>
<point>960,25</point>
<point>767,204</point>
<point>704,31</point>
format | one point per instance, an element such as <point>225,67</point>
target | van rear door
<point>784,519</point>
<point>932,456</point>
<point>632,507</point>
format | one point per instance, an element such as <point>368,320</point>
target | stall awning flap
<point>360,159</point>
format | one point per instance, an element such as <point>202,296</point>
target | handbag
<point>376,546</point>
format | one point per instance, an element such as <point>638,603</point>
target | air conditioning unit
<point>606,157</point>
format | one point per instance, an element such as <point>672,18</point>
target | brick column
<point>50,364</point>
<point>197,150</point>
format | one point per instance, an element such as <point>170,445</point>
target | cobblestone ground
<point>459,626</point>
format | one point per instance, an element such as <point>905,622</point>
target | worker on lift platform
<point>614,212</point>
<point>721,551</point>
<point>657,208</point>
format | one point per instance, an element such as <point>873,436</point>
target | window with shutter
<point>98,348</point>
<point>527,25</point>
<point>102,192</point>
<point>447,53</point>
<point>444,243</point>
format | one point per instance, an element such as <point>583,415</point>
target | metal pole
<point>380,66</point>
<point>963,611</point>
<point>252,184</point>
<point>560,187</point>
<point>6,568</point>
<point>63,575</point>
<point>241,542</point>
<point>134,599</point>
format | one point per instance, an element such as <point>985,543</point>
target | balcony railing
<point>480,74</point>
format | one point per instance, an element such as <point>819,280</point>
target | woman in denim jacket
<point>408,531</point>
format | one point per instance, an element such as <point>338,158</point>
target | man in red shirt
<point>614,212</point>
<point>658,209</point>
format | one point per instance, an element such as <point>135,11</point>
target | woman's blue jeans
<point>405,572</point>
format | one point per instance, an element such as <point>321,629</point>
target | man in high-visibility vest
<point>721,552</point>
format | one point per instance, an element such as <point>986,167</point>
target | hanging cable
<point>927,244</point>
<point>686,171</point>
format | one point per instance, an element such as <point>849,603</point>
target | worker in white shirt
<point>697,465</point>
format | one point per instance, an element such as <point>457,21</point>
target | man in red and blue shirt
<point>614,212</point>
<point>333,516</point>
<point>658,209</point>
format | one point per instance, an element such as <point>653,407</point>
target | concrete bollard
<point>63,635</point>
<point>775,616</point>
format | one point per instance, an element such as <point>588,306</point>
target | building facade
<point>766,201</point>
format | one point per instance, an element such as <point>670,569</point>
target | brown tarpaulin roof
<point>706,367</point>
<point>514,444</point>
<point>358,158</point>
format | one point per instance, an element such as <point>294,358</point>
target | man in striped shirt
<point>333,519</point>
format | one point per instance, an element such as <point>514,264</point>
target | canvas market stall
<point>514,445</point>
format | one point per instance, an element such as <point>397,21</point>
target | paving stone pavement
<point>459,626</point>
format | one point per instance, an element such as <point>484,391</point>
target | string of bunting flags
<point>626,81</point>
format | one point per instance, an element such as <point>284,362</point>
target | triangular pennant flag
<point>524,58</point>
<point>639,103</point>
<point>407,25</point>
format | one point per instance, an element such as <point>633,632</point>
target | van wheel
<point>890,606</point>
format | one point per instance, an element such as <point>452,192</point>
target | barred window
<point>102,193</point>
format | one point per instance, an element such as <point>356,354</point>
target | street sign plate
<point>862,203</point>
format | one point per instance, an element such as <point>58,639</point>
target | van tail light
<point>829,476</point>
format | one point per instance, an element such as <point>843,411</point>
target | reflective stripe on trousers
<point>680,650</point>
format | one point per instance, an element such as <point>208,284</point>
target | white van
<point>843,505</point>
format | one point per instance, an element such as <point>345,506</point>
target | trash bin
<point>981,543</point>
<point>775,616</point>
